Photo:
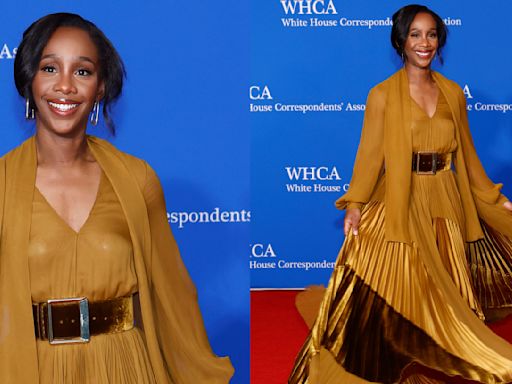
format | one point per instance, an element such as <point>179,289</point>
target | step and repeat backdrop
<point>312,65</point>
<point>183,111</point>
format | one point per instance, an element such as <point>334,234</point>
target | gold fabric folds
<point>386,308</point>
<point>490,260</point>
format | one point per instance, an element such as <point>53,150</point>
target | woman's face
<point>421,44</point>
<point>67,82</point>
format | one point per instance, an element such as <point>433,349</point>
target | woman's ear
<point>101,91</point>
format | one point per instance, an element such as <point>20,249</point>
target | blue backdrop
<point>183,110</point>
<point>312,65</point>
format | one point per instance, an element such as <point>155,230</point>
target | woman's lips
<point>63,108</point>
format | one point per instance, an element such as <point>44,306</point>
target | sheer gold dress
<point>95,262</point>
<point>387,308</point>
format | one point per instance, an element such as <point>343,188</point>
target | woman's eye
<point>433,35</point>
<point>414,35</point>
<point>49,69</point>
<point>83,72</point>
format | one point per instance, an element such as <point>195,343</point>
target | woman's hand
<point>508,205</point>
<point>352,218</point>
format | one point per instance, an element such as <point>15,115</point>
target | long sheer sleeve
<point>179,324</point>
<point>369,161</point>
<point>482,187</point>
<point>487,195</point>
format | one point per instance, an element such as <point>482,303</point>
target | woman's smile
<point>63,107</point>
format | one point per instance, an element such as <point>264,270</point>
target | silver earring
<point>95,113</point>
<point>29,112</point>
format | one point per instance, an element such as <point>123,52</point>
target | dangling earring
<point>402,55</point>
<point>29,112</point>
<point>95,113</point>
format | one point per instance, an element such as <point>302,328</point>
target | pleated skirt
<point>390,307</point>
<point>109,358</point>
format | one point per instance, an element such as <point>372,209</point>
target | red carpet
<point>278,331</point>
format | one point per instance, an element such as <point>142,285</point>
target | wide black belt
<point>428,163</point>
<point>75,320</point>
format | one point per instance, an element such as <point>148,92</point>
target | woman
<point>428,253</point>
<point>86,249</point>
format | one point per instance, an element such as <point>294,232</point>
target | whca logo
<point>309,7</point>
<point>312,173</point>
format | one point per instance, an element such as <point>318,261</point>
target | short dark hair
<point>35,38</point>
<point>402,20</point>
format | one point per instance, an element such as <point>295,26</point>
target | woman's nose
<point>65,83</point>
<point>425,41</point>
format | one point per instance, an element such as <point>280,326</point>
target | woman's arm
<point>180,329</point>
<point>483,189</point>
<point>369,161</point>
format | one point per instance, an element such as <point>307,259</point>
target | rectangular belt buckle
<point>83,305</point>
<point>433,156</point>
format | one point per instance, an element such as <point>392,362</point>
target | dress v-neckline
<point>421,108</point>
<point>61,219</point>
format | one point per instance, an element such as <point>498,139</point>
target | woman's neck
<point>53,150</point>
<point>419,76</point>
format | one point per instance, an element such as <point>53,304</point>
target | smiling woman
<point>92,286</point>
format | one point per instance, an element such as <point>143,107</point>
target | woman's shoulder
<point>138,167</point>
<point>440,78</point>
<point>113,150</point>
<point>387,82</point>
<point>451,89</point>
<point>379,91</point>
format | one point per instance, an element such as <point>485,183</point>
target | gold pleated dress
<point>390,306</point>
<point>95,262</point>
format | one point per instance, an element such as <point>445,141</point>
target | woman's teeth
<point>62,107</point>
